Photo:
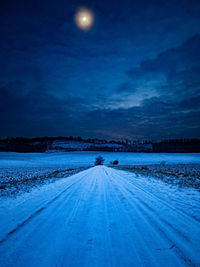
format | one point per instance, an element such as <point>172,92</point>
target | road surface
<point>98,217</point>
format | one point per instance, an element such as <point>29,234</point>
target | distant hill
<point>82,145</point>
<point>67,144</point>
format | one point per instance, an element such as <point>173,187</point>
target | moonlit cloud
<point>132,75</point>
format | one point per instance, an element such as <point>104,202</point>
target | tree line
<point>41,144</point>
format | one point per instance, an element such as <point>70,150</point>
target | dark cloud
<point>125,87</point>
<point>133,75</point>
<point>174,72</point>
<point>155,119</point>
<point>175,112</point>
<point>191,103</point>
<point>172,61</point>
<point>35,111</point>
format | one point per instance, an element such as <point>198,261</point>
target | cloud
<point>190,103</point>
<point>173,113</point>
<point>174,71</point>
<point>33,112</point>
<point>155,119</point>
<point>133,75</point>
<point>126,87</point>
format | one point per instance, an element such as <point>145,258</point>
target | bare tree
<point>99,160</point>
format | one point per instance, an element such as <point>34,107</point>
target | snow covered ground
<point>59,145</point>
<point>20,171</point>
<point>183,175</point>
<point>77,159</point>
<point>14,181</point>
<point>101,217</point>
<point>12,174</point>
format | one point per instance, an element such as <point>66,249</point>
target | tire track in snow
<point>179,214</point>
<point>176,239</point>
<point>125,223</point>
<point>102,219</point>
<point>45,220</point>
<point>135,214</point>
<point>125,175</point>
<point>38,211</point>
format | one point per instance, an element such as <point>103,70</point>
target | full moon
<point>84,19</point>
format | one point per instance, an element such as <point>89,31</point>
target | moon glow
<point>84,19</point>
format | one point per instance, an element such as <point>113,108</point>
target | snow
<point>79,159</point>
<point>70,144</point>
<point>15,181</point>
<point>182,175</point>
<point>101,217</point>
<point>78,145</point>
<point>11,174</point>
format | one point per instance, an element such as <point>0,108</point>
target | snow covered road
<point>99,217</point>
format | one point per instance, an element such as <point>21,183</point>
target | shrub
<point>99,160</point>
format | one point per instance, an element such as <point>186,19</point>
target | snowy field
<point>18,180</point>
<point>12,174</point>
<point>21,171</point>
<point>55,212</point>
<point>182,175</point>
<point>101,217</point>
<point>77,159</point>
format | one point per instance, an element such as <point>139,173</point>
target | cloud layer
<point>135,74</point>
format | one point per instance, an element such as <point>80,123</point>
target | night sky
<point>135,74</point>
